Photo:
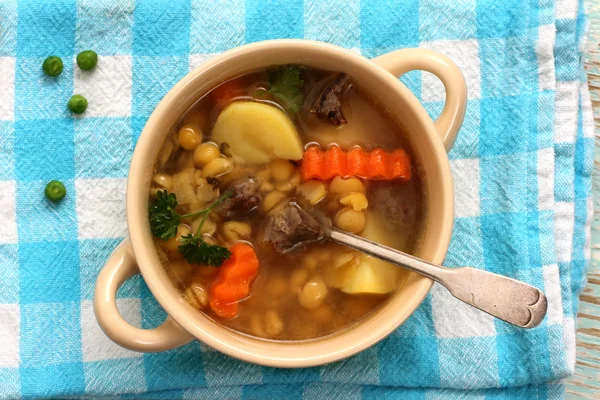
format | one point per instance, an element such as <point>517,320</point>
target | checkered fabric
<point>521,167</point>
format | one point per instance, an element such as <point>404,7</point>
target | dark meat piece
<point>244,200</point>
<point>328,104</point>
<point>291,228</point>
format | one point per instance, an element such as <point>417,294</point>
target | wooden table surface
<point>585,384</point>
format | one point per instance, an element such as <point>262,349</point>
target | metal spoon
<point>508,299</point>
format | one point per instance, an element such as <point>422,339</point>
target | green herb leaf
<point>285,87</point>
<point>196,251</point>
<point>163,217</point>
<point>164,221</point>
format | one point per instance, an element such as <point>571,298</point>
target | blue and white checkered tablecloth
<point>521,167</point>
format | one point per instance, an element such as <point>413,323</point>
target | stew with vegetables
<point>227,179</point>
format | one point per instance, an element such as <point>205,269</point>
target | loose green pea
<point>77,104</point>
<point>87,60</point>
<point>52,66</point>
<point>55,191</point>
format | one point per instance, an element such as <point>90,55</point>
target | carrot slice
<point>234,280</point>
<point>335,162</point>
<point>227,91</point>
<point>376,165</point>
<point>401,164</point>
<point>313,164</point>
<point>230,293</point>
<point>225,310</point>
<point>357,162</point>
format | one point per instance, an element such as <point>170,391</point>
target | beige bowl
<point>137,254</point>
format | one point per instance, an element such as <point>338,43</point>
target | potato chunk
<point>369,274</point>
<point>257,133</point>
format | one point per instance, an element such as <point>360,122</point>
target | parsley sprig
<point>164,220</point>
<point>163,217</point>
<point>285,87</point>
<point>196,251</point>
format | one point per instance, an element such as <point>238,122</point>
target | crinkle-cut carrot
<point>358,161</point>
<point>379,165</point>
<point>234,280</point>
<point>376,165</point>
<point>313,164</point>
<point>401,164</point>
<point>335,162</point>
<point>227,91</point>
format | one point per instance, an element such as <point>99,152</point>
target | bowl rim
<point>259,351</point>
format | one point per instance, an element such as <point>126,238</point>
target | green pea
<point>55,191</point>
<point>77,104</point>
<point>52,66</point>
<point>87,60</point>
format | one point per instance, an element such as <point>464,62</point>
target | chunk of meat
<point>244,200</point>
<point>328,105</point>
<point>291,227</point>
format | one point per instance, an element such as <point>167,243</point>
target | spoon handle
<point>510,300</point>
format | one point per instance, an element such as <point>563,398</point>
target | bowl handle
<point>402,61</point>
<point>121,266</point>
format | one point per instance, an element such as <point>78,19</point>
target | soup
<point>228,179</point>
